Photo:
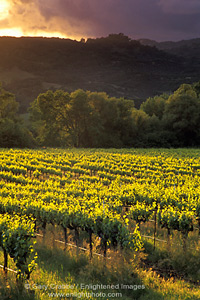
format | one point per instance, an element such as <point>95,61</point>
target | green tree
<point>12,130</point>
<point>62,119</point>
<point>8,105</point>
<point>155,105</point>
<point>47,115</point>
<point>155,135</point>
<point>82,119</point>
<point>140,125</point>
<point>14,134</point>
<point>114,119</point>
<point>196,87</point>
<point>126,125</point>
<point>182,115</point>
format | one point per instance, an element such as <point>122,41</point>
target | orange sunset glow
<point>8,18</point>
<point>18,32</point>
<point>4,8</point>
<point>154,19</point>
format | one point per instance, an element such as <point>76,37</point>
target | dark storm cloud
<point>156,19</point>
<point>180,6</point>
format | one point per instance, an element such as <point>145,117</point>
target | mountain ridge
<point>115,64</point>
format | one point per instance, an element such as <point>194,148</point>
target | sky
<point>160,20</point>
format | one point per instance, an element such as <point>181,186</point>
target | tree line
<point>93,119</point>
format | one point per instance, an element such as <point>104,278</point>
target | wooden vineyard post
<point>77,241</point>
<point>154,235</point>
<point>168,239</point>
<point>105,248</point>
<point>90,241</point>
<point>104,255</point>
<point>53,235</point>
<point>66,237</point>
<point>44,232</point>
<point>5,266</point>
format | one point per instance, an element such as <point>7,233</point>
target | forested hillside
<point>117,65</point>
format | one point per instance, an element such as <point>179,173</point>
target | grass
<point>64,272</point>
<point>174,261</point>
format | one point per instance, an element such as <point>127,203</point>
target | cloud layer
<point>155,19</point>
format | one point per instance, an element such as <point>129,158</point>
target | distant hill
<point>179,47</point>
<point>115,64</point>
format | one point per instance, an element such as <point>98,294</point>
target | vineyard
<point>104,195</point>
